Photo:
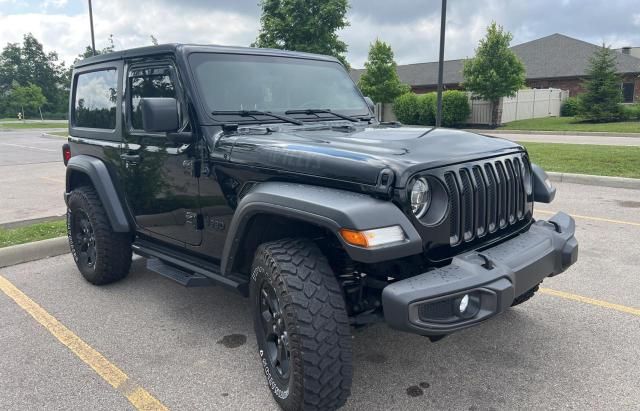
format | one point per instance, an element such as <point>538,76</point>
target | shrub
<point>631,112</point>
<point>569,107</point>
<point>420,109</point>
<point>405,108</point>
<point>455,108</point>
<point>427,109</point>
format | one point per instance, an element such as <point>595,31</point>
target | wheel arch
<point>275,210</point>
<point>87,170</point>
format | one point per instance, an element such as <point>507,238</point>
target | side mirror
<point>371,104</point>
<point>159,114</point>
<point>543,190</point>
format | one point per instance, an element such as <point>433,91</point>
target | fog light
<point>467,306</point>
<point>464,303</point>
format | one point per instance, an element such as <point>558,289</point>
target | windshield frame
<point>218,119</point>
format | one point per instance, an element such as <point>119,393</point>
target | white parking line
<point>31,147</point>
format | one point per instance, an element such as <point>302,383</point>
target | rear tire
<point>301,326</point>
<point>102,255</point>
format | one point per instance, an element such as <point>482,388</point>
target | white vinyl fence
<point>533,103</point>
<point>527,103</point>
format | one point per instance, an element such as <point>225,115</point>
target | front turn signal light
<point>373,238</point>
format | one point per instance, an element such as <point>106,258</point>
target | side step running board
<point>177,275</point>
<point>187,270</point>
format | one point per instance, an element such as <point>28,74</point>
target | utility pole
<point>93,40</point>
<point>443,21</point>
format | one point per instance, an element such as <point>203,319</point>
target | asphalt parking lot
<point>31,176</point>
<point>573,346</point>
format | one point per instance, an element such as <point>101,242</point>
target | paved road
<point>568,139</point>
<point>31,176</point>
<point>552,352</point>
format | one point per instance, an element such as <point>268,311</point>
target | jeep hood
<point>358,154</point>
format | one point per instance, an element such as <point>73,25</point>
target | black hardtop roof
<point>191,48</point>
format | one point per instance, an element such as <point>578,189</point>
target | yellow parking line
<point>606,220</point>
<point>138,396</point>
<point>587,300</point>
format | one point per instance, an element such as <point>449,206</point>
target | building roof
<point>195,48</point>
<point>554,56</point>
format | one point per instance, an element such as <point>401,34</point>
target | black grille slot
<point>503,202</point>
<point>454,214</point>
<point>492,197</point>
<point>481,202</point>
<point>517,168</point>
<point>485,197</point>
<point>513,193</point>
<point>468,209</point>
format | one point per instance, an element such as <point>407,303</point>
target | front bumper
<point>428,304</point>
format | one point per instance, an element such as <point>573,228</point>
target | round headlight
<point>420,197</point>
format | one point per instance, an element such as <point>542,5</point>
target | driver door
<point>161,188</point>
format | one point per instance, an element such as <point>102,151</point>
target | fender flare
<point>96,170</point>
<point>330,208</point>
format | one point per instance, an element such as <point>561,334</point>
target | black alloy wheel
<point>276,337</point>
<point>84,239</point>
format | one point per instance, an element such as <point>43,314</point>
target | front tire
<point>102,255</point>
<point>301,326</point>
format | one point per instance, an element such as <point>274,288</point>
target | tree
<point>495,71</point>
<point>304,25</point>
<point>603,95</point>
<point>29,96</point>
<point>28,63</point>
<point>380,81</point>
<point>88,51</point>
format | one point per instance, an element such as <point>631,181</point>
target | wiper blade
<point>322,110</point>
<point>253,113</point>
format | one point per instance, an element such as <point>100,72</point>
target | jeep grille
<point>486,197</point>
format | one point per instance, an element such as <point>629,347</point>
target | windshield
<point>229,82</point>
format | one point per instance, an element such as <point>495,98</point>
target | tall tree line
<point>26,65</point>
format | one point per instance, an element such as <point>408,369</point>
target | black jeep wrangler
<point>266,171</point>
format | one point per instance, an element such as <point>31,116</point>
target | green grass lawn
<point>16,125</point>
<point>34,232</point>
<point>571,124</point>
<point>617,161</point>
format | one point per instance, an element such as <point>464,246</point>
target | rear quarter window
<point>95,99</point>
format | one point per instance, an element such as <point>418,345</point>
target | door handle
<point>130,158</point>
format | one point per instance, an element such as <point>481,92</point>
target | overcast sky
<point>410,26</point>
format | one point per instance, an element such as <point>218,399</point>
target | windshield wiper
<point>253,113</point>
<point>322,110</point>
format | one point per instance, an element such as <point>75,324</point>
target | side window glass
<point>151,82</point>
<point>95,99</point>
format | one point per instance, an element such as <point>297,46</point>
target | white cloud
<point>410,26</point>
<point>131,25</point>
<point>56,4</point>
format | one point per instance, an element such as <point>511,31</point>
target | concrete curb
<point>23,253</point>
<point>614,182</point>
<point>554,133</point>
